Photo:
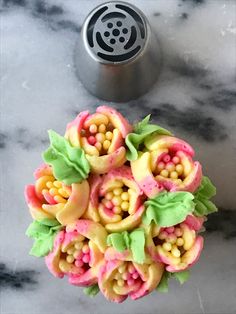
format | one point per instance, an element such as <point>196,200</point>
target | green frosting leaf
<point>164,283</point>
<point>49,222</point>
<point>92,291</point>
<point>69,163</point>
<point>181,276</point>
<point>141,131</point>
<point>43,232</point>
<point>135,241</point>
<point>41,247</point>
<point>168,208</point>
<point>203,206</point>
<point>35,229</point>
<point>120,241</point>
<point>137,244</point>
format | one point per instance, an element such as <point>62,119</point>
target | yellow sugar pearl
<point>160,166</point>
<point>164,173</point>
<point>106,144</point>
<point>102,128</point>
<point>105,202</point>
<point>93,128</point>
<point>179,168</point>
<point>49,184</point>
<point>109,135</point>
<point>109,196</point>
<point>63,193</point>
<point>174,175</point>
<point>117,209</point>
<point>53,191</point>
<point>59,199</point>
<point>171,238</point>
<point>167,246</point>
<point>85,248</point>
<point>131,268</point>
<point>121,268</point>
<point>98,146</point>
<point>76,254</point>
<point>118,183</point>
<point>178,232</point>
<point>116,200</point>
<point>175,160</point>
<point>130,191</point>
<point>120,282</point>
<point>117,276</point>
<point>78,245</point>
<point>100,137</point>
<point>70,250</point>
<point>44,191</point>
<point>117,191</point>
<point>125,276</point>
<point>170,166</point>
<point>125,205</point>
<point>57,184</point>
<point>175,252</point>
<point>180,242</point>
<point>125,196</point>
<point>163,235</point>
<point>70,259</point>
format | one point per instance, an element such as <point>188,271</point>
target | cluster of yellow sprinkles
<point>57,191</point>
<point>170,168</point>
<point>77,253</point>
<point>173,240</point>
<point>98,135</point>
<point>126,274</point>
<point>117,200</point>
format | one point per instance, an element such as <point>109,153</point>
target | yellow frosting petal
<point>128,223</point>
<point>41,183</point>
<point>89,149</point>
<point>96,118</point>
<point>38,213</point>
<point>188,236</point>
<point>103,164</point>
<point>76,204</point>
<point>116,137</point>
<point>53,209</point>
<point>141,167</point>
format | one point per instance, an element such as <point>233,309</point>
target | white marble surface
<point>195,97</point>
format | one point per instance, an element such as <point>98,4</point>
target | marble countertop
<point>195,97</point>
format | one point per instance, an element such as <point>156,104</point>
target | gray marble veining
<point>195,97</point>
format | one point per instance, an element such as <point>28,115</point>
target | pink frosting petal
<point>117,119</point>
<point>194,222</point>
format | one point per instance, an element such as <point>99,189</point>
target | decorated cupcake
<point>118,208</point>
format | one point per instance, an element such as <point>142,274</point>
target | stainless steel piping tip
<point>117,56</point>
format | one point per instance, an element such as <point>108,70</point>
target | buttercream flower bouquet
<point>118,209</point>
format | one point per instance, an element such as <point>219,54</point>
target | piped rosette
<point>116,200</point>
<point>78,252</point>
<point>120,277</point>
<point>179,246</point>
<point>101,135</point>
<point>166,164</point>
<point>50,198</point>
